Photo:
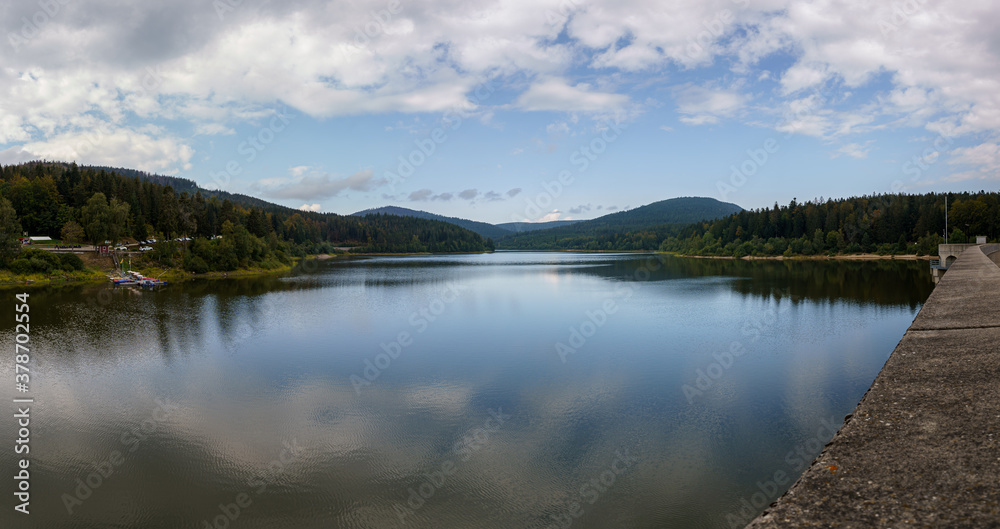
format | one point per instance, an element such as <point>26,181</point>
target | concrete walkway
<point>922,449</point>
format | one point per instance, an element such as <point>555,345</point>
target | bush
<point>71,262</point>
<point>40,265</point>
<point>227,261</point>
<point>193,263</point>
<point>51,259</point>
<point>21,267</point>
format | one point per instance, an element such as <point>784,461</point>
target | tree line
<point>885,223</point>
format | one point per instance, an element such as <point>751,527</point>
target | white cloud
<point>553,215</point>
<point>319,185</point>
<point>855,150</point>
<point>149,149</point>
<point>556,94</point>
<point>213,129</point>
<point>703,105</point>
<point>984,159</point>
<point>310,207</point>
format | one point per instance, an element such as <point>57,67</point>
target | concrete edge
<point>767,517</point>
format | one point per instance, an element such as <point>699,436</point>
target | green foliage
<point>193,263</point>
<point>33,260</point>
<point>886,224</point>
<point>95,217</point>
<point>10,232</point>
<point>72,232</point>
<point>71,262</point>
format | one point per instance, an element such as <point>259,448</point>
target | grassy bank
<point>98,268</point>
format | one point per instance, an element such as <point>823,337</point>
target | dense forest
<point>886,224</point>
<point>642,228</point>
<point>75,204</point>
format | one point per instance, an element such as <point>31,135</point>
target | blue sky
<point>490,103</point>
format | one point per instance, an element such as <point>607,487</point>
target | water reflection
<point>254,367</point>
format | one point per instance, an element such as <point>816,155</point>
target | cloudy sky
<point>502,110</point>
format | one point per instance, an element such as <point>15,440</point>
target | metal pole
<point>946,219</point>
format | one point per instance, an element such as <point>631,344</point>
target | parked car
<point>121,248</point>
<point>151,241</point>
<point>145,248</point>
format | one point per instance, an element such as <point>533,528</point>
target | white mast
<point>946,219</point>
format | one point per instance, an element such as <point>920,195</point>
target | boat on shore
<point>135,278</point>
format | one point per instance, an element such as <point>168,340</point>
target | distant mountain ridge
<point>518,227</point>
<point>485,230</point>
<point>634,229</point>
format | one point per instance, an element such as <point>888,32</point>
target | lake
<point>528,390</point>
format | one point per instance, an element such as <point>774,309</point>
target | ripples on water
<point>209,390</point>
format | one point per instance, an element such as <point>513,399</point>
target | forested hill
<point>182,185</point>
<point>50,198</point>
<point>642,228</point>
<point>487,231</point>
<point>879,223</point>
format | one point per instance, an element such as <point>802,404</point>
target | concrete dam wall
<point>922,448</point>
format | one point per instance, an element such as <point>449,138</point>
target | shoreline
<point>98,275</point>
<point>844,257</point>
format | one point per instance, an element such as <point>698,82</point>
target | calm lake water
<point>512,390</point>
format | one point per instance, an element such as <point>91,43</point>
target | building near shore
<point>33,240</point>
